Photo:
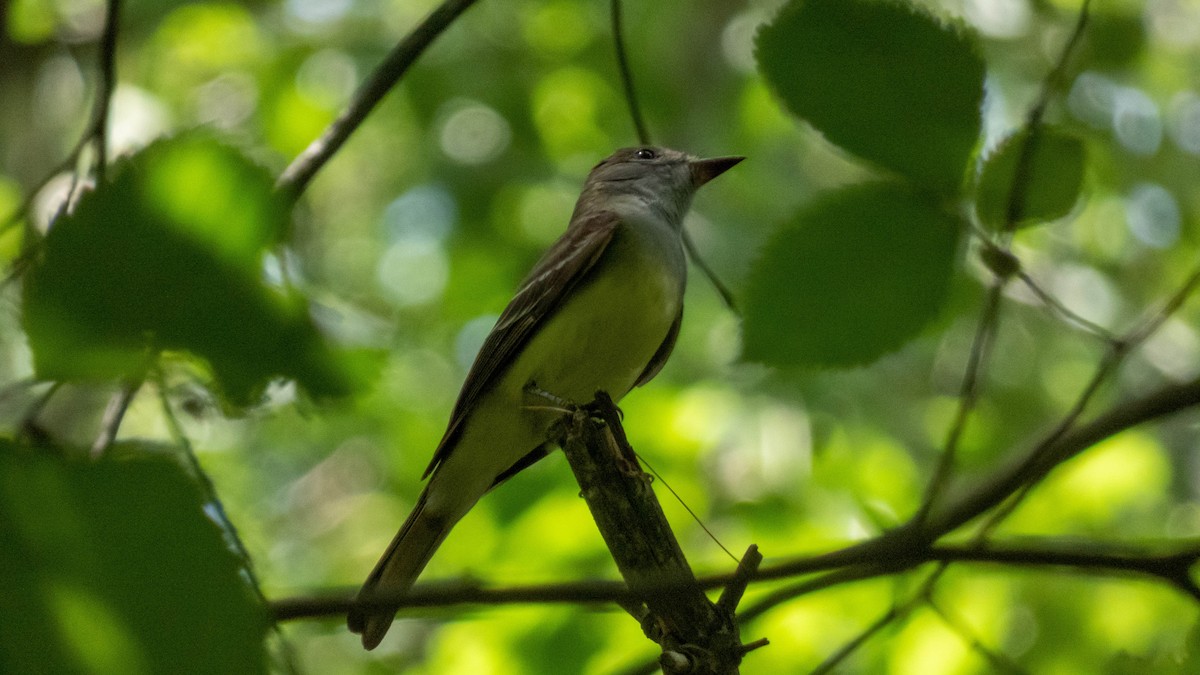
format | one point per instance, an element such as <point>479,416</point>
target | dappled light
<point>953,400</point>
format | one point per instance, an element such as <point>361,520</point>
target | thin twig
<point>296,177</point>
<point>1158,317</point>
<point>721,288</point>
<point>1033,124</point>
<point>1063,311</point>
<point>687,508</point>
<point>95,133</point>
<point>1119,349</point>
<point>1058,448</point>
<point>639,125</point>
<point>209,492</point>
<point>108,82</point>
<point>114,414</point>
<point>1002,262</point>
<point>1108,365</point>
<point>986,328</point>
<point>20,213</point>
<point>968,394</point>
<point>896,613</point>
<point>835,659</point>
<point>635,111</point>
<point>29,426</point>
<point>999,661</point>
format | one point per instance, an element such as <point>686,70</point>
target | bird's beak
<point>704,170</point>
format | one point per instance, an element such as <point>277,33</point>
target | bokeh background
<point>414,236</point>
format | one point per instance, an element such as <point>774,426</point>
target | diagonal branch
<point>300,172</point>
<point>1033,122</point>
<point>989,318</point>
<point>1056,449</point>
<point>1118,349</point>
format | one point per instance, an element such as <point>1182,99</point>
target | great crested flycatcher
<point>600,311</point>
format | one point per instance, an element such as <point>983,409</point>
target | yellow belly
<point>602,338</point>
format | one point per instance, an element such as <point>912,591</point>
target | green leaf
<point>1114,39</point>
<point>169,256</point>
<point>883,80</point>
<point>852,277</point>
<point>113,567</point>
<point>1050,182</point>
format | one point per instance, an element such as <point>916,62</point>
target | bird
<point>600,311</point>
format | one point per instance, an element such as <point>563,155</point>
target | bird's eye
<point>645,153</point>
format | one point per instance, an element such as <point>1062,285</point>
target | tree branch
<point>696,635</point>
<point>96,132</point>
<point>296,177</point>
<point>903,548</point>
<point>108,82</point>
<point>886,554</point>
<point>1055,450</point>
<point>989,318</point>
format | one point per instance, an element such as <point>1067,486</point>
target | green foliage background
<point>410,241</point>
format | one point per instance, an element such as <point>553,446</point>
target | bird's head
<point>664,178</point>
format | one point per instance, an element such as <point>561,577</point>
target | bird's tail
<point>398,569</point>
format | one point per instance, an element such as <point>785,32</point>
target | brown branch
<point>1170,564</point>
<point>1055,450</point>
<point>696,635</point>
<point>108,81</point>
<point>449,594</point>
<point>903,548</point>
<point>296,177</point>
<point>888,554</point>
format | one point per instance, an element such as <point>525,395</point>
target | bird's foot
<point>549,401</point>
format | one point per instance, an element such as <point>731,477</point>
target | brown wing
<point>560,269</point>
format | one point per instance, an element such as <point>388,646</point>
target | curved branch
<point>1057,449</point>
<point>296,177</point>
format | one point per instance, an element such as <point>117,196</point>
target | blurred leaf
<point>1190,657</point>
<point>30,21</point>
<point>1051,182</point>
<point>853,276</point>
<point>1113,39</point>
<point>113,567</point>
<point>168,256</point>
<point>883,80</point>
